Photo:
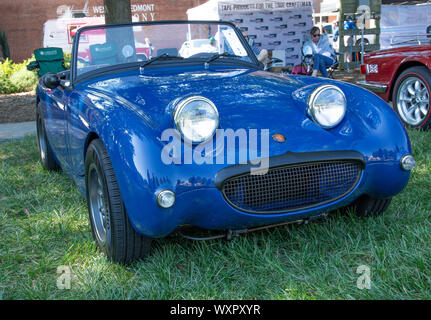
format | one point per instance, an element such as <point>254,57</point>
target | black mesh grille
<point>292,187</point>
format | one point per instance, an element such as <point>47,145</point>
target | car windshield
<point>200,42</point>
<point>105,46</point>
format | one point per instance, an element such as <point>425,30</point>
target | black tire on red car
<point>411,97</point>
<point>110,224</point>
<point>366,206</point>
<point>45,152</point>
<point>358,42</point>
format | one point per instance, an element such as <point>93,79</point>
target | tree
<point>117,11</point>
<point>4,45</point>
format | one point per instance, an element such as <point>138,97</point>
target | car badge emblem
<point>278,137</point>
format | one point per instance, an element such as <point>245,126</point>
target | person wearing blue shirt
<point>349,24</point>
<point>323,53</point>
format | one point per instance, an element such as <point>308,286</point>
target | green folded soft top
<point>48,60</point>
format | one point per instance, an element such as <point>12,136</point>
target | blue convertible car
<point>189,130</point>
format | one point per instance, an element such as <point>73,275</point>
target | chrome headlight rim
<point>407,162</point>
<point>312,98</point>
<point>163,194</point>
<point>182,104</point>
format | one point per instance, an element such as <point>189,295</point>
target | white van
<point>59,32</point>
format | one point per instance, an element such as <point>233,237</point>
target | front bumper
<point>373,86</point>
<point>206,206</point>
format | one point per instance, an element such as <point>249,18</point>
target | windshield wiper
<point>218,55</point>
<point>163,56</point>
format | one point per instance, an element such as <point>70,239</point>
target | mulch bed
<point>353,76</point>
<point>17,107</point>
<point>20,107</point>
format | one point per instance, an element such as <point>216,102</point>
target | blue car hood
<point>245,99</point>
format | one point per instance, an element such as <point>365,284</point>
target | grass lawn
<point>44,225</point>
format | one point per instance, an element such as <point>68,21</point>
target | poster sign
<point>272,25</point>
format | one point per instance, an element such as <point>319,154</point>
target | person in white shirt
<point>323,53</point>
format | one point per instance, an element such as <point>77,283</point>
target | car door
<point>77,132</point>
<point>55,124</point>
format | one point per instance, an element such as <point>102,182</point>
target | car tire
<point>366,206</point>
<point>411,97</point>
<point>110,224</point>
<point>366,42</point>
<point>46,155</point>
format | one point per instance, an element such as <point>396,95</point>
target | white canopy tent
<point>206,11</point>
<point>273,25</point>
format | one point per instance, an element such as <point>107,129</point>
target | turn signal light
<point>278,137</point>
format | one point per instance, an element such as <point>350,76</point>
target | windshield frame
<point>74,78</point>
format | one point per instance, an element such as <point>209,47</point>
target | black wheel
<point>110,224</point>
<point>45,152</point>
<point>411,97</point>
<point>358,42</point>
<point>365,206</point>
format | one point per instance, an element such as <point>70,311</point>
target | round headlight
<point>196,118</point>
<point>327,106</point>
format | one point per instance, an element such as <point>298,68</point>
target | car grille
<point>292,187</point>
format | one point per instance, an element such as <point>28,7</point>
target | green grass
<point>44,225</point>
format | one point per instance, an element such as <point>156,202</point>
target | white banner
<point>272,25</point>
<point>225,7</point>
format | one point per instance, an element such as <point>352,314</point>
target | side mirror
<point>51,80</point>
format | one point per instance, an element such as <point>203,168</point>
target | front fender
<point>373,128</point>
<point>135,154</point>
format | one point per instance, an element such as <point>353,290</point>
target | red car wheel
<point>411,97</point>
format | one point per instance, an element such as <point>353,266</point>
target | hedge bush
<point>6,86</point>
<point>14,77</point>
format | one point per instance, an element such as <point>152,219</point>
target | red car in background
<point>402,75</point>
